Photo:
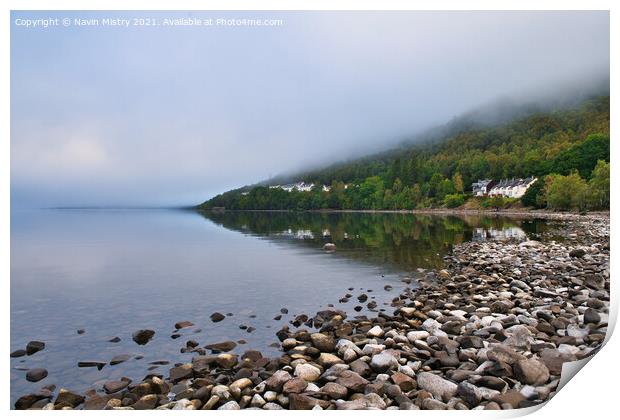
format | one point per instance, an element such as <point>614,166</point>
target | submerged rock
<point>217,317</point>
<point>35,375</point>
<point>34,347</point>
<point>142,337</point>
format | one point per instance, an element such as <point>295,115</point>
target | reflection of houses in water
<point>297,234</point>
<point>481,234</point>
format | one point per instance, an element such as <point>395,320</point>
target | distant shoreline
<point>543,214</point>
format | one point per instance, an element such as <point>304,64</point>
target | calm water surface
<point>111,272</point>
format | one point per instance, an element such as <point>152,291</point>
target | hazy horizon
<point>172,116</point>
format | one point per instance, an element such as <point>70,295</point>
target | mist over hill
<point>560,100</point>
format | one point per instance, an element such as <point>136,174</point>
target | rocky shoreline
<point>489,331</point>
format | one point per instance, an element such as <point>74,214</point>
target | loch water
<point>111,272</point>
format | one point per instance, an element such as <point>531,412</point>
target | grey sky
<point>164,116</point>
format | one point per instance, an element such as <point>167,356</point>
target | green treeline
<point>567,150</point>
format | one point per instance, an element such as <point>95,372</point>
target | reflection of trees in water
<point>404,240</point>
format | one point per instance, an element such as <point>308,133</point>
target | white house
<point>299,186</point>
<point>512,188</point>
<point>482,187</point>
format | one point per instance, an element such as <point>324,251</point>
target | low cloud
<point>173,116</point>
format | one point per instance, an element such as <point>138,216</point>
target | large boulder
<point>383,362</point>
<point>531,372</point>
<point>323,342</point>
<point>307,372</point>
<point>436,385</point>
<point>368,401</point>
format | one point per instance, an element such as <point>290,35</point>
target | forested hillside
<point>566,143</point>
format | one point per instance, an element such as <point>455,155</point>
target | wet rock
<point>404,382</point>
<point>513,397</point>
<point>328,359</point>
<point>257,401</point>
<point>323,342</point>
<point>34,347</point>
<point>92,363</point>
<point>520,338</point>
<point>230,405</point>
<point>299,320</point>
<point>491,382</point>
<point>447,359</point>
<point>554,359</point>
<point>221,347</point>
<point>184,404</point>
<point>147,402</point>
<point>294,386</point>
<point>383,362</point>
<point>352,381</point>
<point>531,372</point>
<point>183,324</point>
<point>334,390</point>
<point>577,253</point>
<point>368,401</point>
<point>36,374</point>
<point>375,332</point>
<point>18,353</point>
<point>414,336</point>
<point>305,402</point>
<point>66,397</point>
<point>142,337</point>
<point>452,327</point>
<point>504,354</point>
<point>471,341</point>
<point>471,394</point>
<point>98,402</point>
<point>114,340</point>
<point>360,367</point>
<point>112,387</point>
<point>277,380</point>
<point>307,372</point>
<point>217,317</point>
<point>433,327</point>
<point>590,316</point>
<point>27,401</point>
<point>181,372</point>
<point>331,374</point>
<point>440,388</point>
<point>226,360</point>
<point>237,387</point>
<point>119,359</point>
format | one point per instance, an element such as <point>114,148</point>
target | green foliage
<point>457,180</point>
<point>572,192</point>
<point>454,200</point>
<point>535,195</point>
<point>598,186</point>
<point>495,202</point>
<point>423,175</point>
<point>582,156</point>
<point>567,192</point>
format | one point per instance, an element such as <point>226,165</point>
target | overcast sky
<point>167,116</point>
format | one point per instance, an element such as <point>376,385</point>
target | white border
<point>591,394</point>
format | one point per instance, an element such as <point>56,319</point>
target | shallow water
<point>111,272</point>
